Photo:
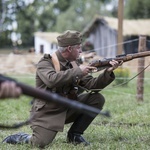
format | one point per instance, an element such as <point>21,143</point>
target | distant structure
<point>45,42</point>
<point>101,32</point>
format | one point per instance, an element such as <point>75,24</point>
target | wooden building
<point>45,42</point>
<point>102,34</point>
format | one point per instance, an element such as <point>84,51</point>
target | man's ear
<point>69,48</point>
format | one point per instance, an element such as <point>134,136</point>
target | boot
<point>76,138</point>
<point>18,138</point>
<point>78,128</point>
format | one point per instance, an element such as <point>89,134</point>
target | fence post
<point>141,62</point>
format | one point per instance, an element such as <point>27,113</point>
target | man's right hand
<point>86,69</point>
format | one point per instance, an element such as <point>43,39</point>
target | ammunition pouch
<point>72,94</point>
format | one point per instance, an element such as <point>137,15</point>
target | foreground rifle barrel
<point>48,96</point>
<point>105,63</point>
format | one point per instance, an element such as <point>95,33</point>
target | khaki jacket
<point>51,115</point>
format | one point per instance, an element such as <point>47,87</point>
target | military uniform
<point>50,117</point>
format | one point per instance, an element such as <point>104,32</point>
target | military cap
<point>69,38</point>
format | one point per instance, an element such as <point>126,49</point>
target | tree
<point>135,9</point>
<point>24,18</point>
<point>78,15</point>
<point>39,15</point>
<point>7,18</point>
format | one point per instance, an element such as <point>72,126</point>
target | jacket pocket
<point>39,105</point>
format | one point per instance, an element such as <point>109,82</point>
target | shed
<point>102,34</point>
<point>45,42</point>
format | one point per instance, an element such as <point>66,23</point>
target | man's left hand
<point>115,64</point>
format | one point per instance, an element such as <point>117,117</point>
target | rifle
<point>102,64</point>
<point>48,96</point>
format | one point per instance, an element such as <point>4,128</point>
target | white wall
<point>46,45</point>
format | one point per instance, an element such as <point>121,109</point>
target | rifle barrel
<point>141,54</point>
<point>105,63</point>
<point>48,96</point>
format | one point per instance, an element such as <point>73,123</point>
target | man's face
<point>75,52</point>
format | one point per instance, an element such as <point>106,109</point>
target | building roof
<point>48,36</point>
<point>130,27</point>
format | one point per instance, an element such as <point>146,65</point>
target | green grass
<point>128,127</point>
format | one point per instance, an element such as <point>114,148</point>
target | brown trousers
<point>42,137</point>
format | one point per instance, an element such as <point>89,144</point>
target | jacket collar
<point>61,59</point>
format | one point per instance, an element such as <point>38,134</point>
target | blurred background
<point>28,29</point>
<point>20,19</point>
<point>31,26</point>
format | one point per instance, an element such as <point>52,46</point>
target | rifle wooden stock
<point>48,96</point>
<point>105,63</point>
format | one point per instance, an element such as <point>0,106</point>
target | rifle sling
<point>74,64</point>
<point>55,62</point>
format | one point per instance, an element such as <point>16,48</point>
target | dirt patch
<point>26,63</point>
<point>134,64</point>
<point>19,64</point>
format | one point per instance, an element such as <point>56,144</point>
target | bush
<point>122,75</point>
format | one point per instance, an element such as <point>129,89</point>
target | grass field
<point>127,129</point>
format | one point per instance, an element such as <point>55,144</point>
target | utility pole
<point>120,26</point>
<point>141,63</point>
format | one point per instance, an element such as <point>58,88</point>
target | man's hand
<point>87,69</point>
<point>114,64</point>
<point>8,89</point>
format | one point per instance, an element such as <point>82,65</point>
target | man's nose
<point>80,50</point>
